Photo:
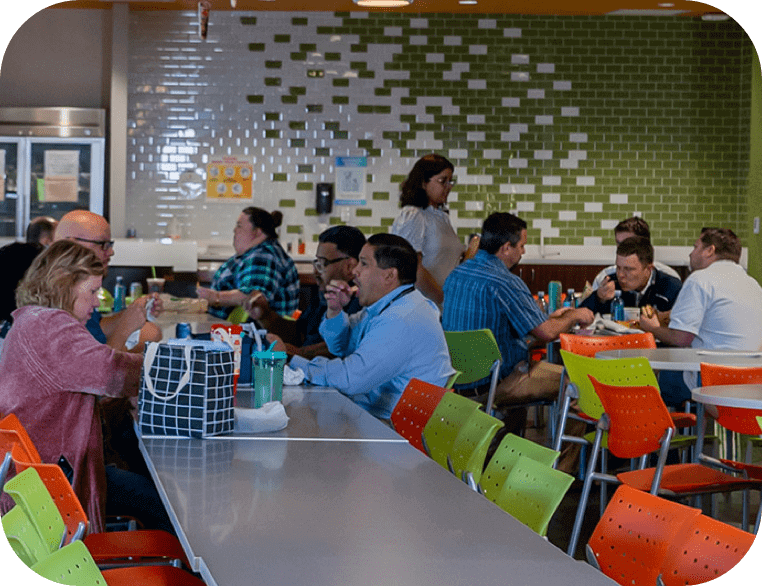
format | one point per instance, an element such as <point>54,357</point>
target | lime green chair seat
<point>475,355</point>
<point>532,492</point>
<point>469,451</point>
<point>23,537</point>
<point>511,448</point>
<point>72,566</point>
<point>441,430</point>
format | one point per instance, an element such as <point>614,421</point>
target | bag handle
<point>151,349</point>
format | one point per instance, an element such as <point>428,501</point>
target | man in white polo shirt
<point>719,307</point>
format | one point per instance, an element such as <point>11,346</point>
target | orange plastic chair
<point>634,534</point>
<point>704,551</point>
<point>11,423</point>
<point>589,346</point>
<point>111,549</point>
<point>414,409</point>
<point>638,424</point>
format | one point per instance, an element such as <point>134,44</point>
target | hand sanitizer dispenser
<point>324,198</point>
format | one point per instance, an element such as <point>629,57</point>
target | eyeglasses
<point>445,182</point>
<point>105,245</point>
<point>320,263</point>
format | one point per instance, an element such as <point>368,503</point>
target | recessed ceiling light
<point>467,2</point>
<point>383,3</point>
<point>716,16</point>
<point>666,4</point>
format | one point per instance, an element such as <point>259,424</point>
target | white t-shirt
<point>721,305</point>
<point>611,270</point>
<point>430,232</point>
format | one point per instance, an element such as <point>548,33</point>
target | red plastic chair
<point>414,408</point>
<point>634,534</point>
<point>638,424</point>
<point>704,551</point>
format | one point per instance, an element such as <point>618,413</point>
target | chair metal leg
<point>604,488</point>
<point>582,507</point>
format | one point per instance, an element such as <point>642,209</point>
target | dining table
<point>686,359</point>
<point>338,497</point>
<point>200,322</point>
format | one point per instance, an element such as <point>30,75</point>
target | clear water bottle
<point>541,302</point>
<point>119,294</point>
<point>617,306</point>
<point>570,300</point>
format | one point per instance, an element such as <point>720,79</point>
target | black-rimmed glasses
<point>105,245</point>
<point>320,263</point>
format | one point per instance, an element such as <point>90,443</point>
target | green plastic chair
<point>475,355</point>
<point>440,432</point>
<point>23,537</point>
<point>29,492</point>
<point>532,492</point>
<point>73,565</point>
<point>511,448</point>
<point>469,451</point>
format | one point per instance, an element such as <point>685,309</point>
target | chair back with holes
<point>469,451</point>
<point>439,434</point>
<point>704,551</point>
<point>475,355</point>
<point>638,418</point>
<point>11,423</point>
<point>739,420</point>
<point>23,537</point>
<point>28,491</point>
<point>414,408</point>
<point>532,492</point>
<point>634,371</point>
<point>71,565</point>
<point>589,346</point>
<point>63,496</point>
<point>505,457</point>
<point>632,538</point>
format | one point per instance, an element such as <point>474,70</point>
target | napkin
<point>292,377</point>
<point>609,325</point>
<point>271,417</point>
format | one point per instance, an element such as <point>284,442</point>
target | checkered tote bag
<point>186,389</point>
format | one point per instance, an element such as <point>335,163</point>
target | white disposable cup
<point>155,284</point>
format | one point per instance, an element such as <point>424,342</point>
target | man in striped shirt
<point>482,293</point>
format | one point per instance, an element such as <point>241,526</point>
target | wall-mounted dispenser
<point>324,198</point>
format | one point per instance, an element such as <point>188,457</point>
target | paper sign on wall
<point>229,178</point>
<point>350,181</point>
<point>61,176</point>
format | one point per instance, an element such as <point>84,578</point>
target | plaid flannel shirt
<point>266,268</point>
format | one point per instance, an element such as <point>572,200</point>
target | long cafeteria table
<point>306,506</point>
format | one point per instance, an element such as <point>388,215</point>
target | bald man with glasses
<point>94,232</point>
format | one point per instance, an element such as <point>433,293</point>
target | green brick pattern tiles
<point>571,122</point>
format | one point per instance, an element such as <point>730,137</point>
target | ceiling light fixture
<point>467,2</point>
<point>715,16</point>
<point>383,3</point>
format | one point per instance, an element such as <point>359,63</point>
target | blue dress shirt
<point>379,350</point>
<point>481,293</point>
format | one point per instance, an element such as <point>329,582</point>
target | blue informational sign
<point>350,181</point>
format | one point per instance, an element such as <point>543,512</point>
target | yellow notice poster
<point>229,178</point>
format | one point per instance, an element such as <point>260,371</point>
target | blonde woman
<point>53,373</point>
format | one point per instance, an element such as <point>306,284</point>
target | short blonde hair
<point>51,278</point>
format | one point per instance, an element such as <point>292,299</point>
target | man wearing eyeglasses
<point>337,254</point>
<point>94,232</point>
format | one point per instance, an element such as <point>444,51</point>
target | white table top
<point>315,513</point>
<point>735,396</point>
<point>686,359</point>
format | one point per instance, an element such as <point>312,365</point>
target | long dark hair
<point>411,190</point>
<point>267,221</point>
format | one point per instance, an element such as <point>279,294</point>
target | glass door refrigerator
<point>52,160</point>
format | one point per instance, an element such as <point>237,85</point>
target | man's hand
<point>583,316</point>
<point>649,323</point>
<point>279,344</point>
<point>256,305</point>
<point>607,290</point>
<point>338,293</point>
<point>206,293</point>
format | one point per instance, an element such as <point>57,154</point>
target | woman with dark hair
<point>53,374</point>
<point>260,264</point>
<point>424,221</point>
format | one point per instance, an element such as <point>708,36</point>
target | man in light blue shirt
<point>397,336</point>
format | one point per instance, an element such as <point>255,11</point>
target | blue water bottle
<point>119,294</point>
<point>617,306</point>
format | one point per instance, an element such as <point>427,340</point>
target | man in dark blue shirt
<point>337,254</point>
<point>640,282</point>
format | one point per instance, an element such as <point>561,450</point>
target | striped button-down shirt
<point>482,293</point>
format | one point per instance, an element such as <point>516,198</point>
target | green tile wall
<point>572,122</point>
